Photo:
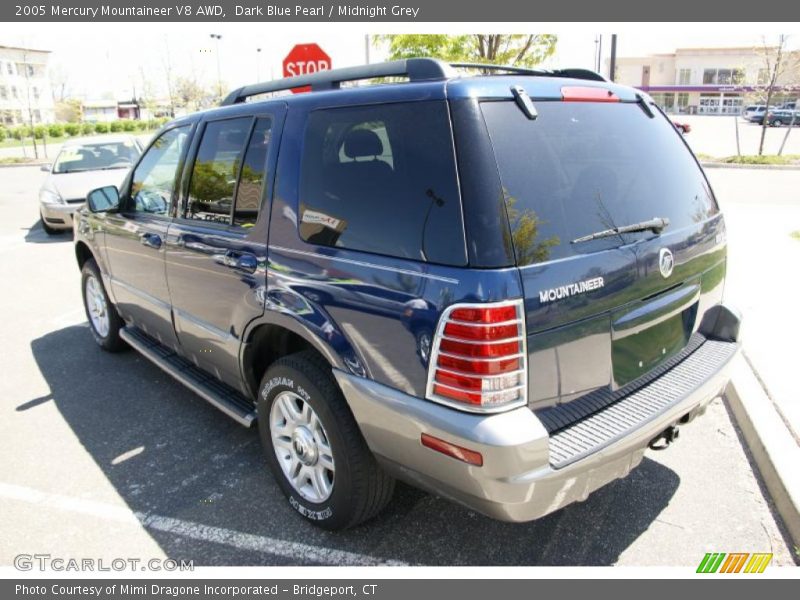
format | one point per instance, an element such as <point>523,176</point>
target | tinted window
<point>251,181</point>
<point>215,170</point>
<point>382,179</point>
<point>153,182</point>
<point>582,167</point>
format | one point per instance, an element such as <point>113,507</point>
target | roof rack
<point>416,69</point>
<point>570,73</point>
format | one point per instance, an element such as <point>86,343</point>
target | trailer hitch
<point>663,440</point>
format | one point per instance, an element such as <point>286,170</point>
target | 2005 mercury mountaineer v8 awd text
<point>501,288</point>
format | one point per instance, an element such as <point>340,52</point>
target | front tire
<point>314,447</point>
<point>104,321</point>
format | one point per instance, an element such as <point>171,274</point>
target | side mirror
<point>103,199</point>
<point>46,168</point>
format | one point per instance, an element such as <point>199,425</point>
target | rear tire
<point>104,321</point>
<point>309,434</point>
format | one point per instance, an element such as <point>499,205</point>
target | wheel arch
<point>275,336</point>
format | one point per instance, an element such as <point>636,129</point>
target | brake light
<point>478,359</point>
<point>587,94</point>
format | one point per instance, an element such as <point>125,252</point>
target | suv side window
<point>153,181</point>
<point>251,180</point>
<point>382,179</point>
<point>216,169</point>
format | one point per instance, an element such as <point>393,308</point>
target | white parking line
<point>189,529</point>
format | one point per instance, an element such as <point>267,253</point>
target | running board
<point>220,395</point>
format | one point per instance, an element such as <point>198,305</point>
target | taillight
<point>478,359</point>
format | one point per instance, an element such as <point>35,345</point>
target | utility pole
<point>612,63</point>
<point>366,49</point>
<point>218,37</point>
<point>599,52</point>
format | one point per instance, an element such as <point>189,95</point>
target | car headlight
<point>47,196</point>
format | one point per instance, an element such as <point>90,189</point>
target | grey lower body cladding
<point>528,470</point>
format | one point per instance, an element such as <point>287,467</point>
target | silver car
<point>83,165</point>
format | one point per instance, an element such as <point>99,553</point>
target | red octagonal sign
<point>304,59</point>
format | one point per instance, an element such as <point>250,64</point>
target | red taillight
<point>587,94</point>
<point>478,357</point>
<point>463,454</point>
<point>479,314</point>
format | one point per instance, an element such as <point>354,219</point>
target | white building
<point>715,81</point>
<point>25,91</point>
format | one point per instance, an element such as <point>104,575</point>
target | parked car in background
<point>756,113</point>
<point>81,166</point>
<point>779,118</point>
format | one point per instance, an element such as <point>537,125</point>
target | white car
<point>82,165</point>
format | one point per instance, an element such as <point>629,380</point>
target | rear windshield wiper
<point>656,225</point>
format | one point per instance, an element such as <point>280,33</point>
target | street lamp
<point>218,37</point>
<point>258,64</point>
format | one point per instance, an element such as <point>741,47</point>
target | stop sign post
<point>304,59</point>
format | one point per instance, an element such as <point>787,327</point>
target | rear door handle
<point>151,240</point>
<point>241,262</point>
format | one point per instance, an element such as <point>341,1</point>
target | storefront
<point>699,100</point>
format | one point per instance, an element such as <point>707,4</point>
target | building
<point>709,81</point>
<point>25,91</point>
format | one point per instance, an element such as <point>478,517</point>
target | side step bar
<point>222,396</point>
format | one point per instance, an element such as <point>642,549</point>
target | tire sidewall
<point>331,513</point>
<point>90,271</point>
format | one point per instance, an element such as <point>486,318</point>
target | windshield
<point>584,167</point>
<point>93,157</point>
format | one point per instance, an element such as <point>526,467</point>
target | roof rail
<point>416,69</point>
<point>570,73</point>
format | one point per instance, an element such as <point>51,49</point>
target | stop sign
<point>304,59</point>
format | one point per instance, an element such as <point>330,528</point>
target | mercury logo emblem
<point>666,262</point>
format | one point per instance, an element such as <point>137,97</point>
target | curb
<point>772,445</point>
<point>722,165</point>
<point>27,164</point>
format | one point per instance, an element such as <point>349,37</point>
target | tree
<point>190,93</point>
<point>780,63</point>
<point>521,50</point>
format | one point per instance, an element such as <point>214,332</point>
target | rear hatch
<point>604,312</point>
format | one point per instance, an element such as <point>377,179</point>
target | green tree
<point>521,50</point>
<point>525,224</point>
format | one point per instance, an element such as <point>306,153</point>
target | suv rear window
<point>382,179</point>
<point>583,167</point>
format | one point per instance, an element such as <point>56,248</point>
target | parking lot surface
<point>105,456</point>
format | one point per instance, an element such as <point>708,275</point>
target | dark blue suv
<point>500,288</point>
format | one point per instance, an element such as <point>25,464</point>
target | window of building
<point>3,92</point>
<point>31,70</point>
<point>215,170</point>
<point>37,116</point>
<point>382,179</point>
<point>251,180</point>
<point>35,91</point>
<point>683,101</point>
<point>684,76</point>
<point>709,76</point>
<point>10,68</point>
<point>14,92</point>
<point>763,77</point>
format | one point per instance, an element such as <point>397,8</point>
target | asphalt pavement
<point>105,456</point>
